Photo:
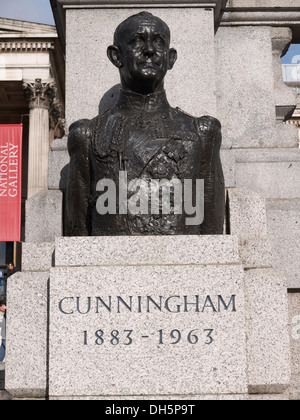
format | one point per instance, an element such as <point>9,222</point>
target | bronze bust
<point>146,139</point>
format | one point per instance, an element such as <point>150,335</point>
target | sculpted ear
<point>114,55</point>
<point>172,58</point>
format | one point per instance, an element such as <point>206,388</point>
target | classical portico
<point>32,93</point>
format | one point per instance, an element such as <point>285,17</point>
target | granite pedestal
<point>141,317</point>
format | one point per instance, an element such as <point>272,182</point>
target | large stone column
<point>40,96</point>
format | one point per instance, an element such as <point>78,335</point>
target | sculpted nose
<point>149,49</point>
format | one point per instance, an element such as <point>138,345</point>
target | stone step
<point>2,376</point>
<point>4,395</point>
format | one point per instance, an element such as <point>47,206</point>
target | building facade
<point>291,76</point>
<point>235,74</point>
<point>31,93</point>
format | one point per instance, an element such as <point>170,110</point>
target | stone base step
<point>4,395</point>
<point>2,376</point>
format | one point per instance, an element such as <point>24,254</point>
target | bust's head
<point>142,53</point>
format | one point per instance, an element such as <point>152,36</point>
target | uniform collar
<point>135,101</point>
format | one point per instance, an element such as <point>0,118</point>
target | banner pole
<point>15,254</point>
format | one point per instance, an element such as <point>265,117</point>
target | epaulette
<point>213,120</point>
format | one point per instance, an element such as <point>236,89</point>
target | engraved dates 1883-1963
<point>161,337</point>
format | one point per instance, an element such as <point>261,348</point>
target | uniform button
<point>161,169</point>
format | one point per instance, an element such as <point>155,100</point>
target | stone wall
<point>229,68</point>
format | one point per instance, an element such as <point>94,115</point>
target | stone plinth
<point>294,322</point>
<point>149,330</point>
<point>164,314</point>
<point>146,250</point>
<point>157,316</point>
<point>26,355</point>
<point>44,214</point>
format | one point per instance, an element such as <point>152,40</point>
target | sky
<point>293,55</point>
<point>38,11</point>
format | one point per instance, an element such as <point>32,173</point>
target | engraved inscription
<point>195,334</point>
<point>127,337</point>
<point>147,304</point>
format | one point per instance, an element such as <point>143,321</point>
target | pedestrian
<point>11,270</point>
<point>3,330</point>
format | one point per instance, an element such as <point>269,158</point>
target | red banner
<point>10,182</point>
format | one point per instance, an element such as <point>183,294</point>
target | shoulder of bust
<point>209,122</point>
<point>205,120</point>
<point>80,127</point>
<point>80,134</point>
<point>103,116</point>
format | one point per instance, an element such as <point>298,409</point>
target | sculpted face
<point>142,53</point>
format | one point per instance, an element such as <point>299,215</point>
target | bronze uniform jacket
<point>147,138</point>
